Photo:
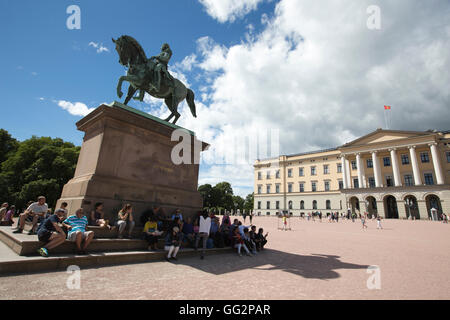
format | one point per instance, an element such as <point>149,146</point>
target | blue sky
<point>42,58</point>
<point>295,67</point>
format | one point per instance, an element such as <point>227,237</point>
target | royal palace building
<point>395,174</point>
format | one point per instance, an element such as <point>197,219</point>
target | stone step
<point>62,261</point>
<point>24,244</point>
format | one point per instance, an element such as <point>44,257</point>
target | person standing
<point>379,223</point>
<point>204,229</point>
<point>251,217</point>
<point>363,221</point>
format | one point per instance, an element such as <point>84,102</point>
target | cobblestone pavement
<point>313,261</point>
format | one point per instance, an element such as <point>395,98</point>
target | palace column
<point>376,170</point>
<point>395,168</point>
<point>415,166</point>
<point>436,163</point>
<point>348,173</point>
<point>360,170</point>
<point>344,173</point>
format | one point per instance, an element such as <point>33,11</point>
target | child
<point>248,241</point>
<point>284,223</point>
<point>379,223</point>
<point>151,233</point>
<point>173,242</point>
<point>239,242</point>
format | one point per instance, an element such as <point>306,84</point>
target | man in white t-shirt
<point>35,212</point>
<point>203,232</point>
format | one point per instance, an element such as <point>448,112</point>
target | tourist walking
<point>363,221</point>
<point>379,223</point>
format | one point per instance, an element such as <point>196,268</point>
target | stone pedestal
<point>126,158</point>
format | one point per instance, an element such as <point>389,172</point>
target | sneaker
<point>174,258</point>
<point>167,259</point>
<point>18,231</point>
<point>43,252</point>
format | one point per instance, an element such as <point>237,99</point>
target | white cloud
<point>75,109</point>
<point>320,76</point>
<point>229,10</point>
<point>99,46</point>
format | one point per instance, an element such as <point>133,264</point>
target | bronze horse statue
<point>141,76</point>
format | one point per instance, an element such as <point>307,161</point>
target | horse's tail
<point>190,100</point>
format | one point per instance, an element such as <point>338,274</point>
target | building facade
<point>395,174</point>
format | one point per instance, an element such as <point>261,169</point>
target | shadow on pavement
<point>315,266</point>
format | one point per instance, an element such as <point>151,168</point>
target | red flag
<point>387,107</point>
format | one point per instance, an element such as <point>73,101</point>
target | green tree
<point>206,193</point>
<point>38,166</point>
<point>238,202</point>
<point>8,145</point>
<point>249,201</point>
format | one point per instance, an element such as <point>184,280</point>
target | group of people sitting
<point>54,228</point>
<point>204,227</point>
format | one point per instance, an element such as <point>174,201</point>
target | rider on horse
<point>162,60</point>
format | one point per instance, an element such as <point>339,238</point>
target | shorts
<point>44,235</point>
<point>73,235</point>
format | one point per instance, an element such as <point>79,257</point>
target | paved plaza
<point>313,261</point>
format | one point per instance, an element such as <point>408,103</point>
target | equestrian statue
<point>151,76</point>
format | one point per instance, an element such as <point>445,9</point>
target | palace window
<point>268,188</point>
<point>327,185</point>
<point>387,161</point>
<point>289,173</point>
<point>326,169</point>
<point>328,205</point>
<point>301,172</point>
<point>268,204</point>
<point>405,159</point>
<point>369,163</point>
<point>429,179</point>
<point>372,182</point>
<point>259,175</point>
<point>356,183</point>
<point>313,171</point>
<point>314,186</point>
<point>259,204</point>
<point>302,187</point>
<point>448,156</point>
<point>341,184</point>
<point>302,205</point>
<point>409,180</point>
<point>314,205</point>
<point>277,188</point>
<point>268,175</point>
<point>290,187</point>
<point>424,157</point>
<point>389,181</point>
<point>354,165</point>
<point>339,168</point>
<point>277,205</point>
<point>290,205</point>
<point>259,189</point>
<point>277,174</point>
